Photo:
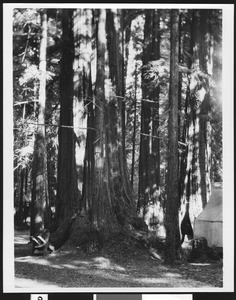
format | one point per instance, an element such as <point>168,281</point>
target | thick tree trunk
<point>172,203</point>
<point>111,207</point>
<point>82,20</point>
<point>103,216</point>
<point>88,92</point>
<point>40,217</point>
<point>189,166</point>
<point>196,169</point>
<point>149,160</point>
<point>188,161</point>
<point>68,196</point>
<point>86,200</point>
<point>144,159</point>
<point>205,65</point>
<point>119,85</point>
<point>188,115</point>
<point>107,205</point>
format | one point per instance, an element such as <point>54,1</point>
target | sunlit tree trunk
<point>112,206</point>
<point>190,202</point>
<point>134,128</point>
<point>82,20</point>
<point>195,165</point>
<point>40,216</point>
<point>189,167</point>
<point>205,64</point>
<point>88,96</point>
<point>118,83</point>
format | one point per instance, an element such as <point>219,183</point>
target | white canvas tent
<point>209,223</point>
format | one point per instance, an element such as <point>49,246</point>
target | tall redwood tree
<point>172,202</point>
<point>40,216</point>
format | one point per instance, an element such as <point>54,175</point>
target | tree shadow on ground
<point>71,268</point>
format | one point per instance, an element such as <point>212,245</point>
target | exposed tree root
<point>61,232</point>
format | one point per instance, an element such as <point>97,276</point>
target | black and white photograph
<point>118,148</point>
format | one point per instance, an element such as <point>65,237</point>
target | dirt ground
<point>72,268</point>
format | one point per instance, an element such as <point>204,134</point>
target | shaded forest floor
<point>71,268</point>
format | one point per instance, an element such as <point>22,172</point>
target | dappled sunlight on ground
<point>104,263</point>
<point>29,283</point>
<point>70,268</point>
<point>200,264</point>
<point>168,274</point>
<point>153,281</point>
<point>37,261</point>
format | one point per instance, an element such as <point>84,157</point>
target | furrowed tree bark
<point>102,213</point>
<point>134,129</point>
<point>149,160</point>
<point>119,84</point>
<point>155,218</point>
<point>172,203</point>
<point>144,159</point>
<point>40,215</point>
<point>191,201</point>
<point>68,195</point>
<point>83,102</point>
<point>205,64</point>
<point>188,165</point>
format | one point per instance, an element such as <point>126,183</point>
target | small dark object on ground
<point>201,251</point>
<point>41,243</point>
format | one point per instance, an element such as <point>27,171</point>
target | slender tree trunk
<point>172,204</point>
<point>154,168</point>
<point>26,180</point>
<point>134,129</point>
<point>40,217</point>
<point>19,215</point>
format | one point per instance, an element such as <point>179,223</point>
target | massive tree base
<point>60,231</point>
<point>78,232</point>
